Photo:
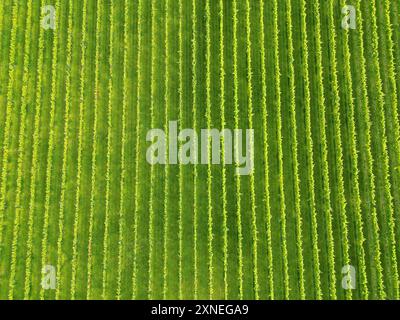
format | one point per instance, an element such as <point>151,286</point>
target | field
<point>78,196</point>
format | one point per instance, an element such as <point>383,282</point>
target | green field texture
<point>77,193</point>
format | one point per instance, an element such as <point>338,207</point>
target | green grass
<point>76,191</point>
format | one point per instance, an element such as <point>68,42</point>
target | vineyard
<point>317,218</point>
